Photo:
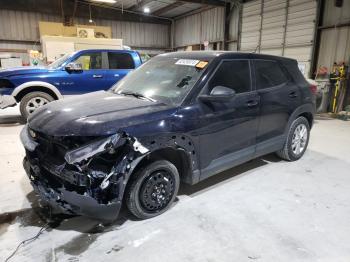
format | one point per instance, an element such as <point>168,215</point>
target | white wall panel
<point>302,54</point>
<point>301,23</point>
<point>187,30</point>
<point>213,25</point>
<point>233,27</point>
<point>251,25</point>
<point>335,41</point>
<point>232,46</point>
<point>197,28</point>
<point>334,47</point>
<point>275,51</point>
<point>280,27</point>
<point>23,26</point>
<point>336,15</point>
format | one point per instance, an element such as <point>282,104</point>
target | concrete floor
<point>265,210</point>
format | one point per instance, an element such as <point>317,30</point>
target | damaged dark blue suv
<point>181,117</point>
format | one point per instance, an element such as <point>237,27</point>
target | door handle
<point>97,76</point>
<point>252,103</point>
<point>116,75</point>
<point>293,94</point>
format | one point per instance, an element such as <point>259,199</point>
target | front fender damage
<point>91,178</point>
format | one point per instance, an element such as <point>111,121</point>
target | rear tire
<point>32,101</point>
<point>297,140</point>
<point>152,189</point>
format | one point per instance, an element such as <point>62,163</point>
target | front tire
<point>297,140</point>
<point>32,101</point>
<point>152,189</point>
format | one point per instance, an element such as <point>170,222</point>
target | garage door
<point>280,27</point>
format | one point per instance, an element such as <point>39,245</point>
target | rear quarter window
<point>120,61</point>
<point>268,74</point>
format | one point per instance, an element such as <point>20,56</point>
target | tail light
<point>313,89</point>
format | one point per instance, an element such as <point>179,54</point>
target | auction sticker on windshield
<point>201,64</point>
<point>187,62</point>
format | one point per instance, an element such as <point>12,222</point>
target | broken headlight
<point>88,150</point>
<point>32,133</point>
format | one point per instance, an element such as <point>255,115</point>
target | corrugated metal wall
<point>336,15</point>
<point>335,42</point>
<point>137,34</point>
<point>23,26</point>
<point>280,27</point>
<point>233,29</point>
<point>251,26</point>
<point>334,47</point>
<point>197,28</point>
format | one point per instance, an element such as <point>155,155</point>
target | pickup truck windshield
<point>163,79</point>
<point>59,62</point>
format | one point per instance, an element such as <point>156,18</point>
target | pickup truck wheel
<point>152,189</point>
<point>297,140</point>
<point>31,101</point>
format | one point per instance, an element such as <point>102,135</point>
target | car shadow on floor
<point>87,225</point>
<point>40,215</point>
<point>89,229</point>
<point>226,176</point>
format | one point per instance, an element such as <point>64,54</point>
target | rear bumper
<point>66,201</point>
<point>7,101</point>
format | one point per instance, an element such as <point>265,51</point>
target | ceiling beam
<point>193,12</point>
<point>167,8</point>
<point>206,2</point>
<point>99,11</point>
<point>139,4</point>
<point>227,19</point>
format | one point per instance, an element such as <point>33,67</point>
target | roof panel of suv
<point>210,55</point>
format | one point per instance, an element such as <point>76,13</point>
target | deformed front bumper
<point>69,202</point>
<point>7,101</point>
<point>76,184</point>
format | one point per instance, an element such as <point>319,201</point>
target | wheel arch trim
<point>307,108</point>
<point>186,161</point>
<point>26,85</point>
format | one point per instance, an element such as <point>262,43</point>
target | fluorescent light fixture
<point>146,10</point>
<point>105,1</point>
<point>90,20</point>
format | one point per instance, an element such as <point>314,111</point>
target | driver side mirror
<point>73,67</point>
<point>219,93</point>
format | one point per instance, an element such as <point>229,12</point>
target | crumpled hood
<point>25,70</point>
<point>96,114</point>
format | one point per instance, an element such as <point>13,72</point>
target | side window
<point>90,61</point>
<point>120,61</point>
<point>268,74</point>
<point>232,74</point>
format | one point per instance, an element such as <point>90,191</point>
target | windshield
<point>163,79</point>
<point>59,61</point>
